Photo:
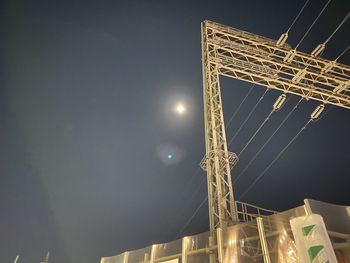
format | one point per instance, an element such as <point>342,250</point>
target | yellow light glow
<point>180,109</point>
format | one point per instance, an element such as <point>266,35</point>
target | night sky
<point>86,123</point>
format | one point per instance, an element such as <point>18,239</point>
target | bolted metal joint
<point>231,157</point>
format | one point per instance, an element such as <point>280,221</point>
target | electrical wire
<point>342,53</point>
<point>195,192</point>
<point>249,115</point>
<point>339,26</point>
<point>240,105</point>
<point>267,141</point>
<point>274,160</point>
<point>260,127</point>
<point>313,23</point>
<point>183,192</point>
<point>296,18</point>
<point>189,182</point>
<point>256,132</point>
<point>191,218</point>
<point>283,150</point>
<point>190,200</point>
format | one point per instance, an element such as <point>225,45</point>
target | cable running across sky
<point>313,23</point>
<point>190,200</point>
<point>249,115</point>
<point>274,160</point>
<point>316,52</point>
<point>276,107</point>
<point>267,141</point>
<point>321,47</point>
<point>342,53</point>
<point>191,218</point>
<point>240,105</point>
<point>338,27</point>
<point>296,18</point>
<point>313,118</point>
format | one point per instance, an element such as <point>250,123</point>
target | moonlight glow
<point>180,109</point>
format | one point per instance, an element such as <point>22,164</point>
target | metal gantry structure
<point>259,60</point>
<point>240,232</point>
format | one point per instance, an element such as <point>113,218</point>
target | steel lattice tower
<point>262,61</point>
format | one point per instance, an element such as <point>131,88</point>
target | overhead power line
<point>274,160</point>
<point>189,182</point>
<point>249,115</point>
<point>321,47</point>
<point>191,218</point>
<point>267,141</point>
<point>276,107</point>
<point>240,105</point>
<point>189,201</point>
<point>296,18</point>
<point>315,116</point>
<point>313,23</point>
<point>338,27</point>
<point>255,133</point>
<point>342,53</point>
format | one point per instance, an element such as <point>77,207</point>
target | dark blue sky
<point>85,110</point>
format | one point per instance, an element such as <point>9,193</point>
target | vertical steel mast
<point>218,160</point>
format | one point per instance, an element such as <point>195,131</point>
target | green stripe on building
<point>307,229</point>
<point>314,250</point>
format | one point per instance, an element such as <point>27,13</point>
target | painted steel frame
<point>241,55</point>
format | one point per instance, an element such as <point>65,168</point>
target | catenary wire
<point>274,160</point>
<point>191,218</point>
<point>296,18</point>
<point>194,193</point>
<point>256,132</point>
<point>190,181</point>
<point>249,115</point>
<point>190,199</point>
<point>185,189</point>
<point>282,151</point>
<point>259,128</point>
<point>342,53</point>
<point>338,27</point>
<point>267,141</point>
<point>313,23</point>
<point>240,105</point>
